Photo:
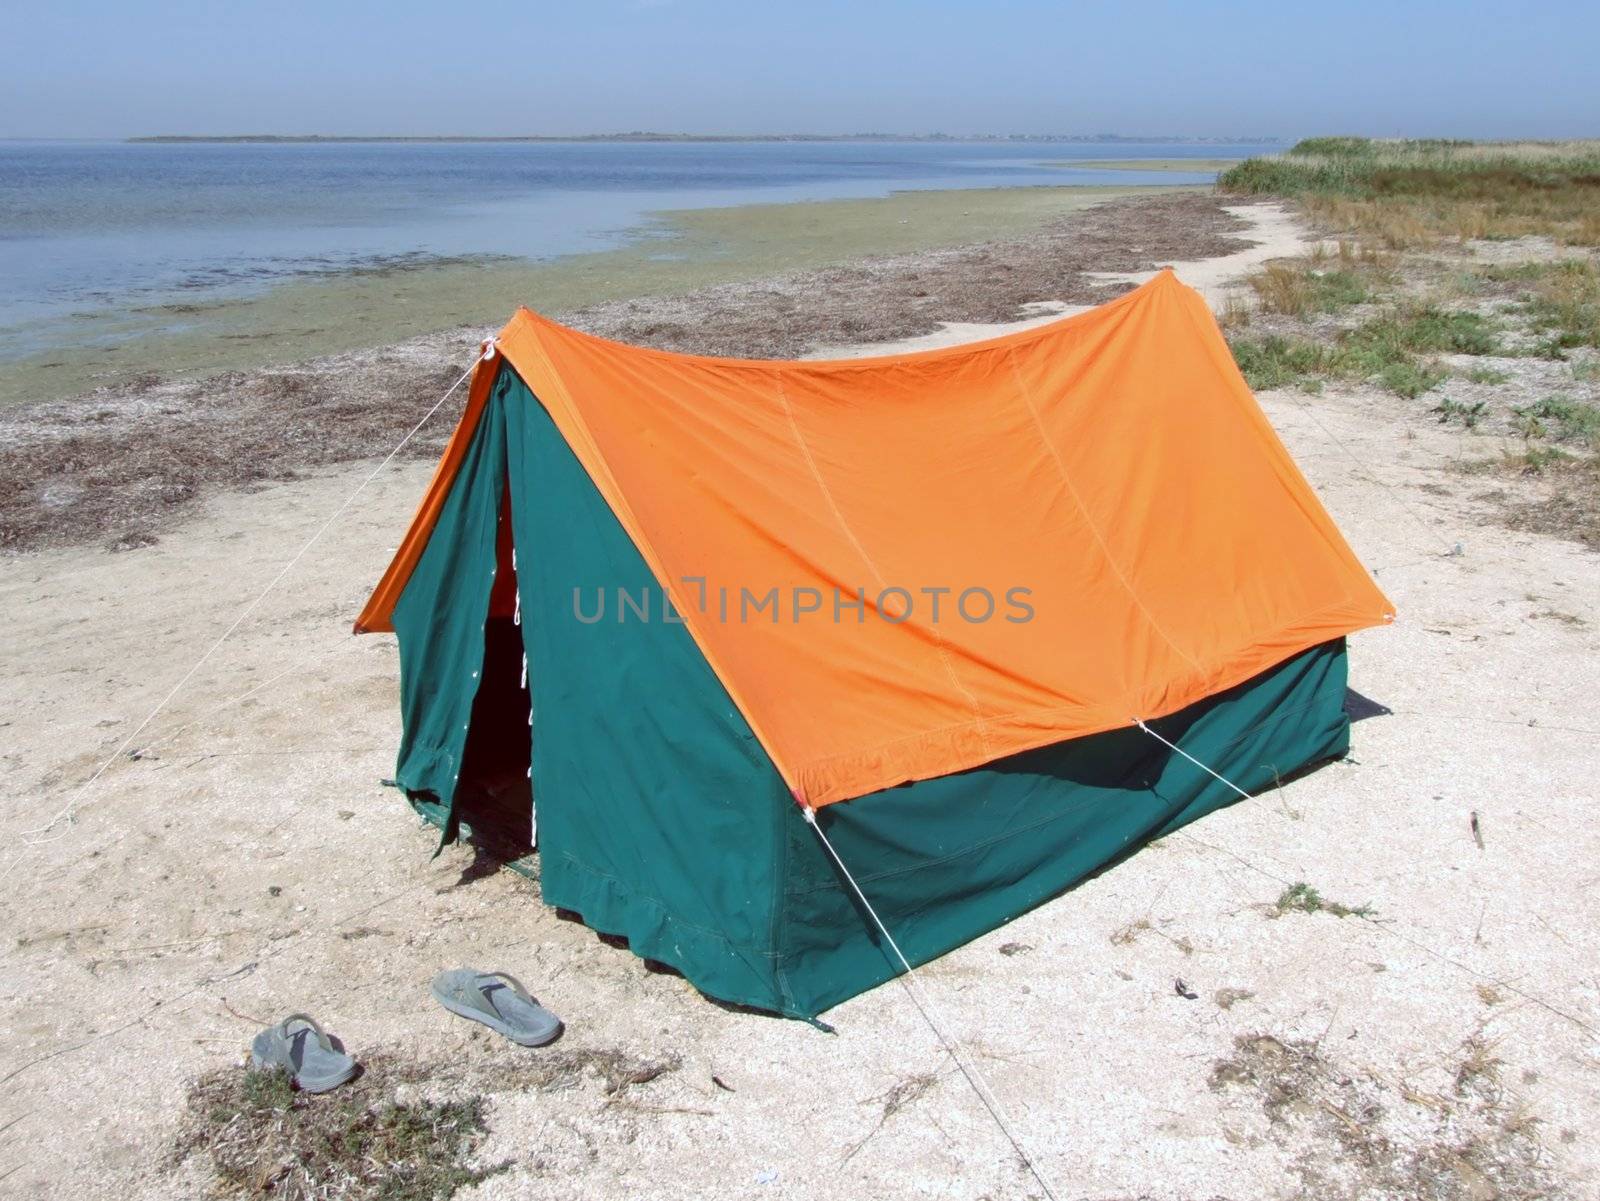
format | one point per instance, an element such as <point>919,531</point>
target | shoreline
<point>120,465</point>
<point>675,251</point>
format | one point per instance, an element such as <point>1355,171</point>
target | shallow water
<point>92,228</point>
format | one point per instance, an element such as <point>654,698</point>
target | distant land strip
<point>1099,138</point>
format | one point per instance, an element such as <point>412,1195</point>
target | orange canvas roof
<point>1053,533</point>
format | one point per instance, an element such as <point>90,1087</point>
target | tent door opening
<point>495,794</point>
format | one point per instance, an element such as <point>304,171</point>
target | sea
<point>87,227</point>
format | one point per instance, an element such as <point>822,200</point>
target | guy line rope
<point>914,989</point>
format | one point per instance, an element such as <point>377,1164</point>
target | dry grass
<point>1407,194</point>
<point>903,1093</point>
<point>402,1131</point>
<point>1564,496</point>
<point>1326,281</point>
<point>117,465</point>
<point>262,1137</point>
<point>879,300</point>
<point>114,466</point>
<point>1353,1135</point>
<point>1403,202</point>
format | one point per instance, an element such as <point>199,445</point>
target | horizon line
<point>658,136</point>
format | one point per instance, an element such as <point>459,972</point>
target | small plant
<point>1563,306</point>
<point>1562,418</point>
<point>1486,375</point>
<point>1296,289</point>
<point>1533,460</point>
<point>1426,329</point>
<point>1278,362</point>
<point>1235,314</point>
<point>1454,411</point>
<point>1302,898</point>
<point>1123,935</point>
<point>1410,379</point>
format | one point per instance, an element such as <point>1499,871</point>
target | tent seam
<point>1066,479</point>
<point>979,722</point>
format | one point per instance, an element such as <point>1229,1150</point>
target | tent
<point>927,597</point>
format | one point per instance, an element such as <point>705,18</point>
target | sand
<point>252,865</point>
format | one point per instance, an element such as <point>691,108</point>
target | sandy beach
<point>1170,1029</point>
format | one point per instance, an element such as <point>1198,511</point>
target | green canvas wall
<point>662,819</point>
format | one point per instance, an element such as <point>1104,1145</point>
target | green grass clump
<point>1385,348</point>
<point>1565,308</point>
<point>1302,898</point>
<point>1278,362</point>
<point>1463,414</point>
<point>1333,147</point>
<point>1410,379</point>
<point>1535,460</point>
<point>1284,289</point>
<point>1424,330</point>
<point>1486,375</point>
<point>1561,418</point>
<point>1325,281</point>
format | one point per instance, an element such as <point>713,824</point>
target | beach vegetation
<point>1299,288</point>
<point>263,1137</point>
<point>1388,348</point>
<point>1429,206</point>
<point>1409,192</point>
<point>1461,412</point>
<point>1302,898</point>
<point>1561,419</point>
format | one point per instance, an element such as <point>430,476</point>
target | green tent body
<point>661,816</point>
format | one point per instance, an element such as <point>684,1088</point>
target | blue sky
<point>87,68</point>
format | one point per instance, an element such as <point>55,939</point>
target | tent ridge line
<point>1003,342</point>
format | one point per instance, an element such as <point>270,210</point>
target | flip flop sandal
<point>298,1046</point>
<point>498,1001</point>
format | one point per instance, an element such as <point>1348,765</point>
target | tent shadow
<point>496,827</point>
<point>1359,708</point>
<point>1125,762</point>
<point>656,967</point>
